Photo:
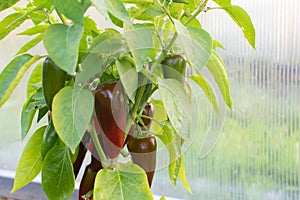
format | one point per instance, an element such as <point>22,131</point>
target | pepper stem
<point>97,144</point>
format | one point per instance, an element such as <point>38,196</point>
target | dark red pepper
<point>88,179</point>
<point>143,153</point>
<point>110,106</point>
<point>79,160</point>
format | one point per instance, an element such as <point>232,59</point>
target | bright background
<point>257,156</point>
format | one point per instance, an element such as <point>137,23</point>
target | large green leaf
<point>197,45</point>
<point>73,9</point>
<point>207,89</point>
<point>129,78</point>
<point>58,180</point>
<point>10,22</point>
<point>115,7</point>
<point>12,74</point>
<point>4,4</point>
<point>218,70</point>
<point>30,162</point>
<point>175,100</point>
<point>72,110</point>
<point>127,182</point>
<point>243,20</point>
<point>29,45</point>
<point>62,44</point>
<point>139,40</point>
<point>105,48</point>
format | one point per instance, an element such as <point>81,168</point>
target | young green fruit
<point>50,139</point>
<point>53,79</point>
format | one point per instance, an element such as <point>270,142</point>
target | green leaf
<point>175,100</point>
<point>218,70</point>
<point>30,162</point>
<point>29,45</point>
<point>105,48</point>
<point>39,16</point>
<point>124,183</point>
<point>243,20</point>
<point>197,45</point>
<point>11,22</point>
<point>191,6</point>
<point>62,44</point>
<point>223,2</point>
<point>58,180</point>
<point>27,116</point>
<point>129,78</point>
<point>182,176</point>
<point>160,115</point>
<point>12,74</point>
<point>115,7</point>
<point>207,89</point>
<point>31,105</point>
<point>216,44</point>
<point>35,30</point>
<point>35,78</point>
<point>72,9</point>
<point>145,12</point>
<point>173,143</point>
<point>139,40</point>
<point>72,110</point>
<point>4,4</point>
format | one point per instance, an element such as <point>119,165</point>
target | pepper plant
<point>131,84</point>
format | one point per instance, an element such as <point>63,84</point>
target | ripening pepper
<point>110,107</point>
<point>143,150</point>
<point>174,66</point>
<point>88,178</point>
<point>143,153</point>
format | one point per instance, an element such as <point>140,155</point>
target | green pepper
<point>174,67</point>
<point>88,178</point>
<point>50,139</point>
<point>110,107</point>
<point>53,79</point>
<point>143,153</point>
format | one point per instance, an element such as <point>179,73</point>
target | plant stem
<point>196,13</point>
<point>62,18</point>
<point>97,144</point>
<point>135,108</point>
